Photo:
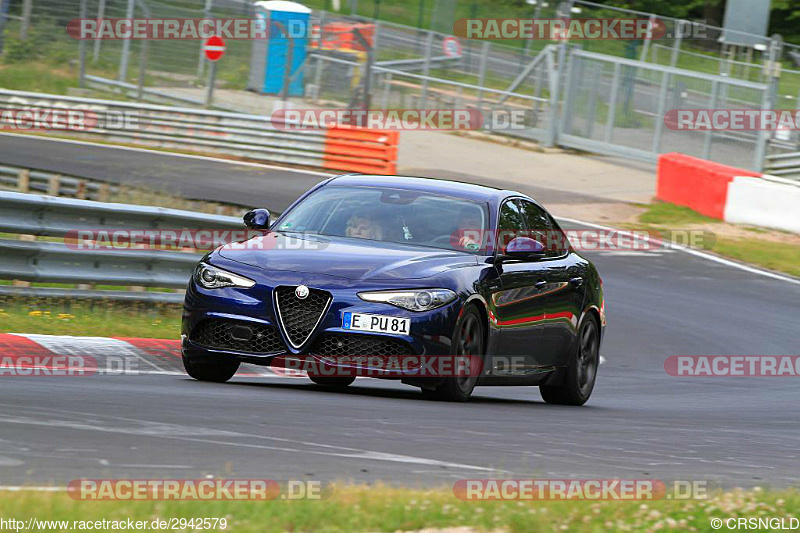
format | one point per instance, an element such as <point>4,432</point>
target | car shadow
<point>379,392</point>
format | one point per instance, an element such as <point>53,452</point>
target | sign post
<point>214,49</point>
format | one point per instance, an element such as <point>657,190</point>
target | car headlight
<point>212,277</point>
<point>413,300</point>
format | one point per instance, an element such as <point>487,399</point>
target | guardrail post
<point>54,185</point>
<point>24,180</point>
<point>103,192</point>
<point>19,282</point>
<point>80,190</point>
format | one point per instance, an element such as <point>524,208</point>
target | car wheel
<point>328,381</point>
<point>218,372</point>
<point>581,372</point>
<point>467,341</point>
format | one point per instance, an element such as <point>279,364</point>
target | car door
<point>518,303</point>
<point>564,272</point>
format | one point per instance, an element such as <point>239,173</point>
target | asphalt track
<point>639,423</point>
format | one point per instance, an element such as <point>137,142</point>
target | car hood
<point>343,257</point>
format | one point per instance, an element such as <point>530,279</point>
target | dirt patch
<point>624,215</point>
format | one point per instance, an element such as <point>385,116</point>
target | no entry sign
<point>214,48</point>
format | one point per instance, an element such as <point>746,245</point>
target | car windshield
<point>390,215</point>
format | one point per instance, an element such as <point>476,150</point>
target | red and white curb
<point>33,354</point>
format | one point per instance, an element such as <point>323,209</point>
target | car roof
<point>442,186</point>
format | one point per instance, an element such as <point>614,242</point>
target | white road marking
<point>187,156</point>
<point>196,434</point>
<point>691,251</point>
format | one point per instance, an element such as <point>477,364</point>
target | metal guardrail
<point>253,136</point>
<point>58,262</point>
<point>785,165</point>
<point>54,184</point>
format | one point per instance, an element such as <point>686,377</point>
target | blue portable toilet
<point>287,25</point>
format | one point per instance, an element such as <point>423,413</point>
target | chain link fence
<point>413,62</point>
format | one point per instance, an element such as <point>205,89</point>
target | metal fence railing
<point>55,261</point>
<point>618,105</point>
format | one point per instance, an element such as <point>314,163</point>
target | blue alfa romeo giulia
<point>389,266</point>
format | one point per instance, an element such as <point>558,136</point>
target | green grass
<point>103,319</point>
<point>775,256</point>
<point>37,77</point>
<point>667,213</point>
<point>757,250</point>
<point>360,508</point>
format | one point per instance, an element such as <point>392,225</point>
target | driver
<point>364,226</point>
<point>470,228</point>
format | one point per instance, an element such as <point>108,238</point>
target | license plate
<point>376,323</point>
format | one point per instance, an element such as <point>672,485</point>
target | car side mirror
<point>257,219</point>
<point>524,249</point>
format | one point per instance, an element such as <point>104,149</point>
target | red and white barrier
<point>729,193</point>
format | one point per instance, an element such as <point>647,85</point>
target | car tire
<point>581,373</point>
<point>217,372</point>
<point>468,340</point>
<point>328,381</point>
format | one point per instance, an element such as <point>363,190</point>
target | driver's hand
<point>464,241</point>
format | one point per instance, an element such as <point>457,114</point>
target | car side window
<point>541,227</point>
<point>510,223</point>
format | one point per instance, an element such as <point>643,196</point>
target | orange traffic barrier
<point>340,36</point>
<point>361,150</point>
<point>695,183</point>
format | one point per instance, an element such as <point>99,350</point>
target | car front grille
<point>298,317</point>
<point>356,344</point>
<point>225,334</point>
